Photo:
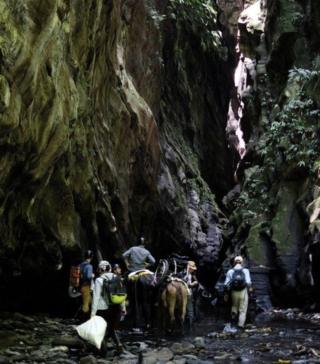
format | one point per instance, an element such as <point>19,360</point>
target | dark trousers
<point>190,309</point>
<point>112,316</point>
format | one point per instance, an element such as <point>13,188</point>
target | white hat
<point>104,264</point>
<point>238,259</point>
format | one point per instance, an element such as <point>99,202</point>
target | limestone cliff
<point>128,117</point>
<point>112,125</point>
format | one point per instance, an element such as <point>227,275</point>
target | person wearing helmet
<point>102,306</point>
<point>238,283</point>
<point>192,282</point>
<point>86,276</point>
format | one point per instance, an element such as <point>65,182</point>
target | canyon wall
<point>112,125</point>
<point>275,205</point>
<point>193,123</point>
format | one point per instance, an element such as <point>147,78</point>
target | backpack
<point>75,275</point>
<point>238,280</point>
<point>114,290</point>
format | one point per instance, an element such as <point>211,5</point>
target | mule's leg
<point>162,311</point>
<point>171,301</point>
<point>184,300</point>
<point>181,304</point>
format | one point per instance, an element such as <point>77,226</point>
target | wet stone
<point>88,360</point>
<point>103,361</point>
<point>20,317</point>
<point>4,360</point>
<point>199,342</point>
<point>125,361</point>
<point>57,355</point>
<point>189,357</point>
<point>183,347</point>
<point>150,357</point>
<point>69,341</point>
<point>165,354</point>
<point>61,348</point>
<point>128,355</point>
<point>179,361</point>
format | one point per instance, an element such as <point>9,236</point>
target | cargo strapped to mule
<point>133,276</point>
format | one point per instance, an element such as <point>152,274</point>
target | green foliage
<point>201,17</point>
<point>293,134</point>
<point>291,141</point>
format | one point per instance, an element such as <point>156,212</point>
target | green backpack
<point>114,290</point>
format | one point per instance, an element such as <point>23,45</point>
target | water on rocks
<point>283,337</point>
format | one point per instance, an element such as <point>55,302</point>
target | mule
<point>173,303</point>
<point>141,297</point>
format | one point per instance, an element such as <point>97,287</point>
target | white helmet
<point>104,264</point>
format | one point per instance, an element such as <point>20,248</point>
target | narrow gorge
<point>192,122</point>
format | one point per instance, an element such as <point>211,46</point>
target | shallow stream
<point>277,337</point>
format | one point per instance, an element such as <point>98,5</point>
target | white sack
<point>93,330</point>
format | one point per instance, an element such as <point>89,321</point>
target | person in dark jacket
<point>86,276</point>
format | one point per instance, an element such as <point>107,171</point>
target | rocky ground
<point>283,336</point>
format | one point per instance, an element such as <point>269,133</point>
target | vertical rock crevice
<point>277,172</point>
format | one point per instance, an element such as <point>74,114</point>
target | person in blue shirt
<point>86,276</point>
<point>138,257</point>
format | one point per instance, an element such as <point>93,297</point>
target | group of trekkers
<point>237,285</point>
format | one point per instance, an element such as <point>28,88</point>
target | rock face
<point>275,213</point>
<point>112,125</point>
<point>122,118</point>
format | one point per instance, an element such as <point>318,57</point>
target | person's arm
<point>150,259</point>
<point>226,285</point>
<point>194,281</point>
<point>228,278</point>
<point>248,280</point>
<point>126,256</point>
<point>96,296</point>
<point>123,308</point>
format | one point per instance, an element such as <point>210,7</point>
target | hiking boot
<point>234,319</point>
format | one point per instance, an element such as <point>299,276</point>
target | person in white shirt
<point>102,307</point>
<point>238,283</point>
